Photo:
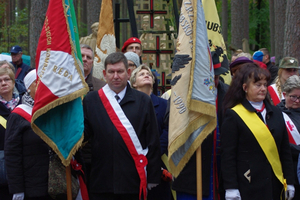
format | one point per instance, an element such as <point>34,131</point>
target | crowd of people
<point>253,152</point>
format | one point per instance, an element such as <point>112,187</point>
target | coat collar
<point>129,95</point>
<point>250,108</point>
<point>154,99</point>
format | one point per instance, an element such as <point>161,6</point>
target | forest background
<point>274,24</point>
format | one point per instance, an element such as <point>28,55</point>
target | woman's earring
<point>28,90</point>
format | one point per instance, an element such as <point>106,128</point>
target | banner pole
<point>69,182</point>
<point>199,173</point>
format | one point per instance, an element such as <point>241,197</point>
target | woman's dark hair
<point>248,72</point>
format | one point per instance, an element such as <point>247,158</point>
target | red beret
<point>130,41</point>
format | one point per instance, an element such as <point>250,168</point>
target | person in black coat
<point>26,154</point>
<point>290,106</point>
<point>114,164</point>
<point>8,101</point>
<point>246,169</point>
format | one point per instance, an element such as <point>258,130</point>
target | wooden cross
<point>151,12</point>
<point>163,86</point>
<point>157,51</point>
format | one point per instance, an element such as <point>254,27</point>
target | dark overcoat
<point>241,152</point>
<point>186,182</point>
<point>112,168</point>
<point>26,157</point>
<point>163,190</point>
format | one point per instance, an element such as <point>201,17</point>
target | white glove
<point>232,194</point>
<point>151,185</point>
<point>18,196</point>
<point>290,192</point>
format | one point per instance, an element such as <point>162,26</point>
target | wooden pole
<point>199,173</point>
<point>69,182</point>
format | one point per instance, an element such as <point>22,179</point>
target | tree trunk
<point>22,4</point>
<point>93,10</point>
<point>292,33</point>
<point>279,8</point>
<point>236,24</point>
<point>37,17</point>
<point>246,19</point>
<point>12,12</point>
<point>225,20</point>
<point>272,26</point>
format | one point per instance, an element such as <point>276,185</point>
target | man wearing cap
<point>288,66</point>
<point>20,67</point>
<point>258,58</point>
<point>272,68</point>
<point>133,44</point>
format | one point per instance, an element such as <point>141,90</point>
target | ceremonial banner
<point>57,115</point>
<point>192,103</point>
<point>215,38</point>
<point>106,40</point>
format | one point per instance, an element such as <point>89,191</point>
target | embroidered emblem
<point>247,175</point>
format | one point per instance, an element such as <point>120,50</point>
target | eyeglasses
<point>5,80</point>
<point>294,98</point>
<point>131,65</point>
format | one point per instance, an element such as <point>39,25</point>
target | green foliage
<point>16,33</point>
<point>259,25</point>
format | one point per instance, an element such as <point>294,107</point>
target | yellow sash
<point>264,138</point>
<point>3,121</point>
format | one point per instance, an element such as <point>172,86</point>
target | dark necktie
<point>117,98</point>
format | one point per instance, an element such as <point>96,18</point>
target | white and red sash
<point>294,136</point>
<point>126,130</point>
<point>274,94</point>
<point>24,111</point>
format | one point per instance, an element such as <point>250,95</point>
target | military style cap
<point>289,62</point>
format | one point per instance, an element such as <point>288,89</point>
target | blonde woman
<point>142,80</point>
<point>288,66</point>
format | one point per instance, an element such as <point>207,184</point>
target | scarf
<point>12,103</point>
<point>27,99</point>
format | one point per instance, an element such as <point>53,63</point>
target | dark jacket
<point>241,152</point>
<point>273,71</point>
<point>163,190</point>
<point>186,181</point>
<point>294,115</point>
<point>24,70</point>
<point>27,158</point>
<point>112,163</point>
<point>94,83</point>
<point>160,107</point>
<point>4,112</point>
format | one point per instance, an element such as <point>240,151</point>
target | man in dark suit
<point>125,140</point>
<point>87,55</point>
